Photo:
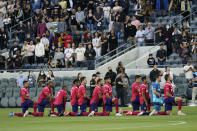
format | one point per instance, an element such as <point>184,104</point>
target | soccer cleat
<point>26,113</point>
<point>121,111</point>
<point>67,113</point>
<point>91,114</point>
<point>11,114</point>
<point>118,114</point>
<point>140,114</point>
<point>154,112</point>
<point>180,113</point>
<point>129,113</point>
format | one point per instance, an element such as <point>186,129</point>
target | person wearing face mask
<point>20,80</point>
<point>112,75</point>
<point>31,79</point>
<point>41,79</point>
<point>50,76</point>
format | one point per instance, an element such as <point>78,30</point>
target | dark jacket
<point>153,75</point>
<point>89,52</point>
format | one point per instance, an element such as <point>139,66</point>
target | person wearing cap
<point>161,56</point>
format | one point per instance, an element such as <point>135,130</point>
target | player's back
<point>81,92</point>
<point>135,88</point>
<point>96,92</point>
<point>45,92</point>
<point>25,92</point>
<point>61,95</point>
<point>168,88</point>
<point>74,95</point>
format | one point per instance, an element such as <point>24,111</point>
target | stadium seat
<point>57,79</point>
<point>1,93</point>
<point>32,92</point>
<point>182,75</point>
<point>16,92</point>
<point>18,101</point>
<point>8,92</point>
<point>39,90</point>
<point>57,83</point>
<point>12,102</point>
<point>4,102</point>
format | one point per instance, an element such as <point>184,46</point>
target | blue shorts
<point>27,104</point>
<point>94,107</point>
<point>60,108</point>
<point>157,107</point>
<point>83,107</point>
<point>42,105</point>
<point>136,104</point>
<point>168,103</point>
<point>143,107</point>
<point>108,105</point>
<point>75,108</point>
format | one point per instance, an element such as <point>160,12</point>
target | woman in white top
<point>96,42</point>
<point>167,71</point>
<point>30,52</point>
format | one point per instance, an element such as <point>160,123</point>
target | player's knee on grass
<point>178,99</point>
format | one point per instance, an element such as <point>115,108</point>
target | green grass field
<point>111,123</point>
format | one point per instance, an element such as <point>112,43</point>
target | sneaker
<point>118,114</point>
<point>52,115</point>
<point>129,113</point>
<point>26,113</point>
<point>140,114</point>
<point>91,114</point>
<point>154,112</point>
<point>180,113</point>
<point>11,114</point>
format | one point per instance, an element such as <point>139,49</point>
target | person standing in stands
<point>161,56</point>
<point>112,75</point>
<point>155,72</point>
<point>188,70</point>
<point>39,51</point>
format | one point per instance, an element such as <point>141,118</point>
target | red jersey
<point>135,93</point>
<point>45,92</point>
<point>168,88</point>
<point>24,91</point>
<point>95,96</point>
<point>81,92</point>
<point>68,40</point>
<point>60,97</point>
<point>107,88</point>
<point>144,88</point>
<point>74,93</point>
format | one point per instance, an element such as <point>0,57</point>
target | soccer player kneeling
<point>169,98</point>
<point>26,102</point>
<point>60,102</point>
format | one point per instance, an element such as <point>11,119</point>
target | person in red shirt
<point>67,39</point>
<point>82,94</point>
<point>144,97</point>
<point>108,97</point>
<point>26,101</point>
<point>169,96</point>
<point>60,102</point>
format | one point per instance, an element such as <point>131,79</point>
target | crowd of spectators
<point>67,33</point>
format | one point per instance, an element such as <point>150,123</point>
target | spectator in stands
<point>113,43</point>
<point>50,26</point>
<point>161,56</point>
<point>194,90</point>
<point>61,26</point>
<point>135,22</point>
<point>117,9</point>
<point>159,33</point>
<point>59,58</point>
<point>45,42</point>
<point>117,27</point>
<point>151,61</point>
<point>112,75</point>
<point>41,79</point>
<point>68,55</point>
<point>30,52</point>
<point>14,48</point>
<point>149,33</point>
<point>18,60</point>
<point>67,39</point>
<point>79,76</point>
<point>162,7</point>
<point>3,39</point>
<point>90,20</point>
<point>2,61</point>
<point>194,55</point>
<point>96,42</point>
<point>50,76</point>
<point>20,80</point>
<point>138,8</point>
<point>120,68</point>
<point>88,40</point>
<point>80,58</point>
<point>31,79</point>
<point>188,70</point>
<point>90,57</point>
<point>24,51</point>
<point>39,51</point>
<point>184,53</point>
<point>36,4</point>
<point>140,36</point>
<point>10,7</point>
<point>3,4</point>
<point>104,44</point>
<point>42,28</point>
<point>98,17</point>
<point>7,23</point>
<point>92,84</point>
<point>1,21</point>
<point>80,18</point>
<point>155,72</point>
<point>106,10</point>
<point>21,32</point>
<point>63,4</point>
<point>9,61</point>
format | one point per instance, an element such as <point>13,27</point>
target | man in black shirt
<point>130,32</point>
<point>120,89</point>
<point>14,48</point>
<point>92,84</point>
<point>90,56</point>
<point>18,60</point>
<point>159,33</point>
<point>10,62</point>
<point>155,72</point>
<point>161,56</point>
<point>2,61</point>
<point>112,75</point>
<point>151,60</point>
<point>3,39</point>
